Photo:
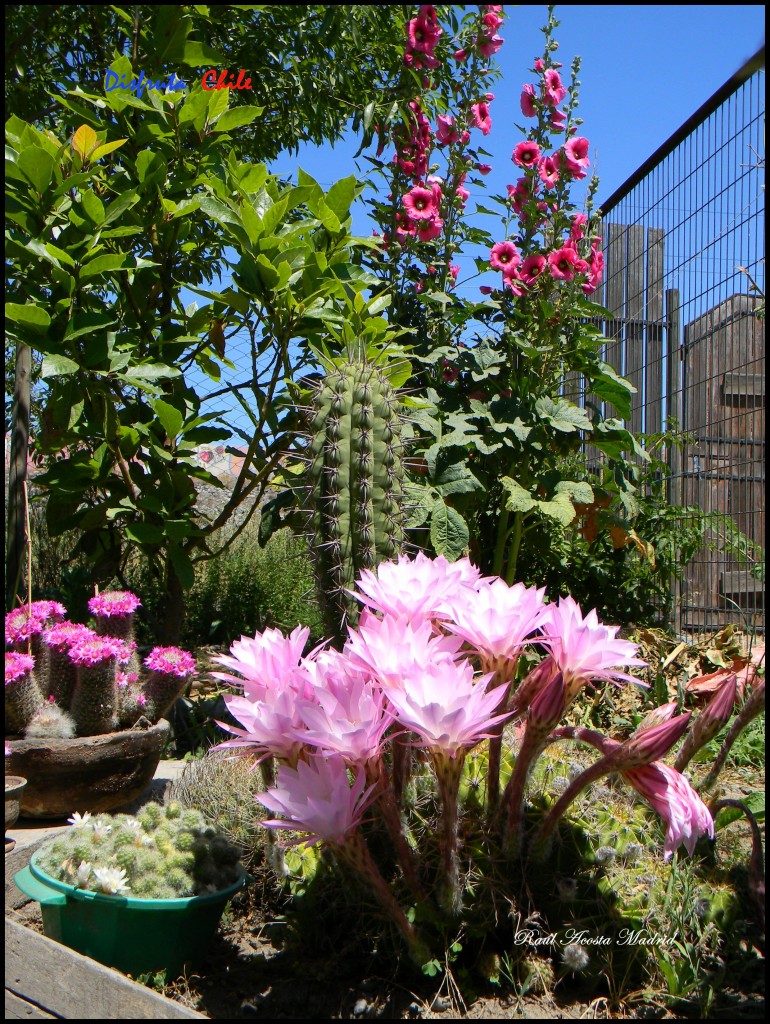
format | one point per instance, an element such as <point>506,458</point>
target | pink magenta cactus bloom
<point>391,647</point>
<point>170,661</point>
<point>415,588</point>
<point>316,797</point>
<point>17,666</point>
<point>64,634</point>
<point>114,604</point>
<point>97,649</point>
<point>29,620</point>
<point>498,619</point>
<point>672,797</point>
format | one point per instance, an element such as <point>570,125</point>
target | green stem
<point>513,550</point>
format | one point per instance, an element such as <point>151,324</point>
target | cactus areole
<point>355,484</point>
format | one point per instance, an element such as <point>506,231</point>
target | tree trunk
<point>17,476</point>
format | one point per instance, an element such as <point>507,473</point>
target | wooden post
<point>17,476</point>
<point>674,413</point>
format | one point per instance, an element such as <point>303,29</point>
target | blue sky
<point>645,70</point>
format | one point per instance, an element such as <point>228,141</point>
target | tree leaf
<point>448,531</point>
<point>27,313</point>
<point>108,147</point>
<point>84,141</point>
<point>237,118</point>
<point>171,419</point>
<point>37,166</point>
<point>58,366</point>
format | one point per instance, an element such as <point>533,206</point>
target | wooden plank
<point>74,987</point>
<point>20,1009</point>
<point>736,583</point>
<point>653,369</point>
<point>634,329</point>
<point>743,387</point>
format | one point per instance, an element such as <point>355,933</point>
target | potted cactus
<point>84,718</point>
<point>140,893</point>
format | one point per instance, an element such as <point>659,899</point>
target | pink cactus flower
<point>498,619</point>
<point>584,650</point>
<point>317,798</point>
<point>674,799</point>
<point>17,666</point>
<point>269,726</point>
<point>96,650</point>
<point>114,603</point>
<point>64,634</point>
<point>170,661</point>
<point>419,588</point>
<point>263,660</point>
<point>390,648</point>
<point>447,708</point>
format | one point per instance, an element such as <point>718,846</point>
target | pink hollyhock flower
<point>481,117</point>
<point>553,90</point>
<point>389,648</point>
<point>263,660</point>
<point>528,102</point>
<point>505,257</point>
<point>584,650</point>
<point>595,268</point>
<point>454,270</point>
<point>462,193</point>
<point>316,797</point>
<point>520,194</point>
<point>489,45</point>
<point>460,56</point>
<point>576,152</point>
<point>557,120</point>
<point>672,797</point>
<point>114,603</point>
<point>445,707</point>
<point>548,169</point>
<point>485,289</point>
<point>420,203</point>
<point>514,282</point>
<point>17,666</point>
<point>493,18</point>
<point>170,661</point>
<point>526,154</point>
<point>497,619</point>
<point>532,267</point>
<point>413,588</point>
<point>538,65</point>
<point>423,34</point>
<point>484,168</point>
<point>577,228</point>
<point>430,229</point>
<point>446,132</point>
<point>564,263</point>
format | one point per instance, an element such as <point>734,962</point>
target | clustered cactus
<point>164,852</point>
<point>64,679</point>
<point>355,483</point>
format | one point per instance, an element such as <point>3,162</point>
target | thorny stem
<point>753,707</point>
<point>375,773</point>
<point>448,771</point>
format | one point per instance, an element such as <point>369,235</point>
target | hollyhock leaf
<point>518,499</point>
<point>563,416</point>
<point>448,531</point>
<point>577,490</point>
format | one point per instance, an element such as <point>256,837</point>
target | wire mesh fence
<point>684,283</point>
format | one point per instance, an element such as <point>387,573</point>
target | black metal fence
<point>684,247</point>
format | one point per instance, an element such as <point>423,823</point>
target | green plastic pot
<point>136,936</point>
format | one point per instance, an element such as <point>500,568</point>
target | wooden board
<point>45,980</point>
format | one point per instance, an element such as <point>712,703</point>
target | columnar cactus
<point>355,483</point>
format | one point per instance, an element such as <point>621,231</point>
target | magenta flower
<point>113,604</point>
<point>269,725</point>
<point>564,263</point>
<point>481,117</point>
<point>505,257</point>
<point>424,31</point>
<point>553,90</point>
<point>577,227</point>
<point>21,625</point>
<point>532,267</point>
<point>96,650</point>
<point>548,169</point>
<point>674,799</point>
<point>64,634</point>
<point>528,103</point>
<point>489,44</point>
<point>420,203</point>
<point>428,230</point>
<point>170,661</point>
<point>17,666</point>
<point>584,650</point>
<point>316,797</point>
<point>484,168</point>
<point>526,154</point>
<point>447,709</point>
<point>263,660</point>
<point>576,152</point>
<point>557,120</point>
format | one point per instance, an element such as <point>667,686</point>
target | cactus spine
<point>355,481</point>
